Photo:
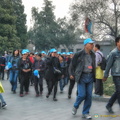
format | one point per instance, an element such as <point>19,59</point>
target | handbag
<point>1,88</point>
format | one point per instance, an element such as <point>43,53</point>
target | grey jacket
<point>113,63</point>
<point>77,65</point>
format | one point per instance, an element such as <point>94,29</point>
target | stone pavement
<point>30,107</point>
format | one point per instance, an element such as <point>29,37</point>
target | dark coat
<point>77,65</point>
<point>51,62</point>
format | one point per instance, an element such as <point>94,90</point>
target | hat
<point>71,52</point>
<point>43,52</point>
<point>27,50</point>
<point>59,53</point>
<point>24,51</point>
<point>63,53</point>
<point>53,50</point>
<point>68,53</point>
<point>36,53</point>
<point>88,40</point>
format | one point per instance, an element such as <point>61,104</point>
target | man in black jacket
<point>83,71</point>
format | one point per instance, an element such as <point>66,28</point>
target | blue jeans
<point>13,78</point>
<point>62,83</point>
<point>1,98</point>
<point>85,88</point>
<point>116,95</point>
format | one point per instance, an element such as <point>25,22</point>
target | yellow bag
<point>99,73</point>
<point>1,88</point>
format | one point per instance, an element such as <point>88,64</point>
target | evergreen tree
<point>20,22</point>
<point>8,38</point>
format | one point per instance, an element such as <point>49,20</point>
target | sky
<point>61,8</point>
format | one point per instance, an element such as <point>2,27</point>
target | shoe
<point>21,95</point>
<point>4,105</point>
<point>109,109</point>
<point>69,96</point>
<point>74,110</point>
<point>61,91</point>
<point>47,96</point>
<point>55,99</point>
<point>37,95</point>
<point>26,93</point>
<point>14,92</point>
<point>87,116</point>
<point>41,93</point>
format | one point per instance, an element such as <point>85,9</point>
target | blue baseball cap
<point>43,52</point>
<point>88,40</point>
<point>53,50</point>
<point>24,51</point>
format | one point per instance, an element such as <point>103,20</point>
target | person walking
<point>113,63</point>
<point>40,66</point>
<point>25,67</point>
<point>51,76</point>
<point>99,72</point>
<point>14,70</point>
<point>83,71</point>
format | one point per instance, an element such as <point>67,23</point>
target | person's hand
<point>104,79</point>
<point>71,77</point>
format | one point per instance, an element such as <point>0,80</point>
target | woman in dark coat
<point>52,78</point>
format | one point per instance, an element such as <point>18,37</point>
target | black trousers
<point>52,84</point>
<point>71,86</point>
<point>99,87</point>
<point>38,82</point>
<point>2,68</point>
<point>116,95</point>
<point>24,82</point>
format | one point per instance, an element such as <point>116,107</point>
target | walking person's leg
<point>2,101</point>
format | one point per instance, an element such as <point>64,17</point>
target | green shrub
<point>109,87</point>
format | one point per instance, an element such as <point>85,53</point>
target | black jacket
<point>77,65</point>
<point>51,62</point>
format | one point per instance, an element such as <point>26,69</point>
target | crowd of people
<point>55,67</point>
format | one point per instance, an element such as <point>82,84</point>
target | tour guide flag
<point>88,25</point>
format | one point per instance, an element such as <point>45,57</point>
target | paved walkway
<point>31,108</point>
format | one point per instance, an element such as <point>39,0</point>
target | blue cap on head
<point>36,53</point>
<point>43,52</point>
<point>88,40</point>
<point>68,53</point>
<point>27,50</point>
<point>36,72</point>
<point>59,53</point>
<point>71,52</point>
<point>24,51</point>
<point>63,53</point>
<point>53,50</point>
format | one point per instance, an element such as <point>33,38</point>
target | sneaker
<point>109,109</point>
<point>21,95</point>
<point>37,95</point>
<point>87,116</point>
<point>41,93</point>
<point>14,92</point>
<point>47,96</point>
<point>26,93</point>
<point>55,99</point>
<point>4,105</point>
<point>74,110</point>
<point>69,96</point>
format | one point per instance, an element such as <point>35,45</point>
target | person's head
<point>53,52</point>
<point>15,52</point>
<point>38,56</point>
<point>31,54</point>
<point>61,58</point>
<point>117,41</point>
<point>96,47</point>
<point>24,54</point>
<point>43,53</point>
<point>88,44</point>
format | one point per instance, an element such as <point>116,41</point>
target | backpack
<point>103,62</point>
